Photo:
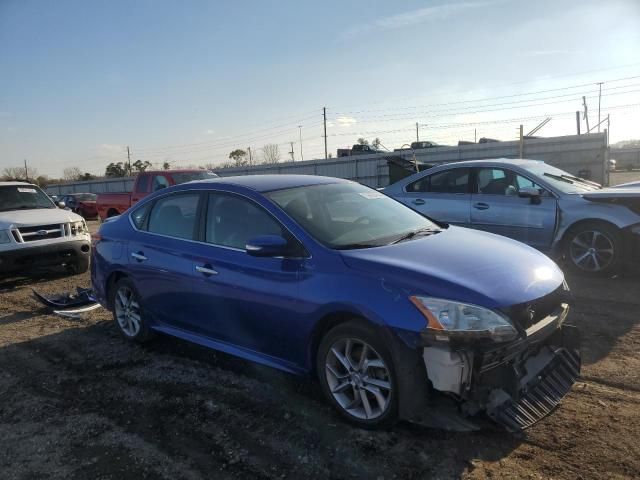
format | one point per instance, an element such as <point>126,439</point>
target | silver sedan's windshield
<point>561,180</point>
<point>350,215</point>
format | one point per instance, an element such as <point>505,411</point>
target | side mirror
<point>267,246</point>
<point>530,192</point>
<point>60,205</point>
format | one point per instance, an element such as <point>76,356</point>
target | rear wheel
<point>128,313</point>
<point>356,374</point>
<point>594,247</point>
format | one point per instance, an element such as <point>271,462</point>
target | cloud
<point>209,132</point>
<point>413,17</point>
<point>109,149</point>
<point>345,120</point>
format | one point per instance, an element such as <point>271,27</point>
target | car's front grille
<point>39,232</point>
<point>529,313</point>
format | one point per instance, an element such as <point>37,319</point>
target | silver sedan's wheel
<point>127,311</point>
<point>592,250</point>
<point>358,378</point>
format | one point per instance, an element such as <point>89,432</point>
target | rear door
<point>497,208</point>
<point>244,300</point>
<point>160,255</point>
<point>442,195</point>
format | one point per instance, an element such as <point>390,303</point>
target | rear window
<point>184,177</point>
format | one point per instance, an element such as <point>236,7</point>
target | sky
<point>189,81</point>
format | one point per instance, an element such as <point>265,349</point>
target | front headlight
<point>447,319</point>
<point>78,228</point>
<point>4,236</point>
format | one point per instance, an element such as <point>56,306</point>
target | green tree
<point>239,157</point>
<point>363,141</point>
<point>115,170</point>
<point>140,166</point>
<point>166,166</point>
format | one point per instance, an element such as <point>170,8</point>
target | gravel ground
<point>77,401</point>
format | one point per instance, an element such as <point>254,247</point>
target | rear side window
<point>175,216</point>
<point>143,183</point>
<point>232,221</point>
<point>455,180</point>
<point>160,181</point>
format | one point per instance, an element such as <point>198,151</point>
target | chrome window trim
<point>215,245</point>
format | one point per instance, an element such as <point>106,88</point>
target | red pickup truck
<point>112,204</point>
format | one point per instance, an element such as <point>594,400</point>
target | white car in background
<point>35,234</point>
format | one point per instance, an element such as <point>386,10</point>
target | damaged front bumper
<point>514,384</point>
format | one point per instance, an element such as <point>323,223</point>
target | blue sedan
<point>396,315</point>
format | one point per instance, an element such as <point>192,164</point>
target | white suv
<point>36,234</point>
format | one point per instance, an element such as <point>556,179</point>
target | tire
<point>129,317</point>
<point>364,393</point>
<point>595,248</point>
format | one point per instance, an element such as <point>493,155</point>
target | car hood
<point>40,216</point>
<point>613,192</point>
<point>461,264</point>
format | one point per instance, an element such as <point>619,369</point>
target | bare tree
<point>18,173</point>
<point>270,153</point>
<point>71,174</point>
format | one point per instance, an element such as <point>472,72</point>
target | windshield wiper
<point>354,246</point>
<point>562,178</point>
<point>415,233</point>
<point>581,180</point>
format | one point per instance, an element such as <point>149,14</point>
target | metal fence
<point>576,154</point>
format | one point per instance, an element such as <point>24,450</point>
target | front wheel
<point>128,314</point>
<point>357,376</point>
<point>594,248</point>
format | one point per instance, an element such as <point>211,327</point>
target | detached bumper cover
<point>25,260</point>
<point>541,397</point>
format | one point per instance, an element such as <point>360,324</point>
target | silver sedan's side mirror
<point>530,192</point>
<point>60,204</point>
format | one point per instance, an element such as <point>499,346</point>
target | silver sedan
<point>595,229</point>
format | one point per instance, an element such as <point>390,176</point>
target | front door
<point>497,208</point>
<point>244,300</point>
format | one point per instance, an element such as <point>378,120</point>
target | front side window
<point>174,216</point>
<point>455,180</point>
<point>499,181</point>
<point>349,215</point>
<point>232,221</point>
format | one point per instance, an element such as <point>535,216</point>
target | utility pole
<point>300,137</point>
<point>293,158</point>
<point>521,142</point>
<point>417,133</point>
<point>586,113</point>
<point>324,116</point>
<point>599,96</point>
<point>475,135</point>
<point>129,158</point>
<point>26,170</point>
<point>578,121</point>
<point>249,150</point>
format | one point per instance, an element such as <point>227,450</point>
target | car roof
<point>268,183</point>
<point>493,161</point>
<point>11,184</point>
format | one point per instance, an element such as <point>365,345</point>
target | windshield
<point>184,177</point>
<point>559,179</point>
<point>23,197</point>
<point>350,215</point>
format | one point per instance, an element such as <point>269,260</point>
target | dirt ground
<point>77,401</point>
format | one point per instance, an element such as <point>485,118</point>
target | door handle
<point>418,201</point>
<point>481,206</point>
<point>206,270</point>
<point>139,256</point>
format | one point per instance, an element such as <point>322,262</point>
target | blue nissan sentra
<point>398,316</point>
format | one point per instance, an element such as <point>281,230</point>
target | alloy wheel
<point>358,378</point>
<point>127,311</point>
<point>591,250</point>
